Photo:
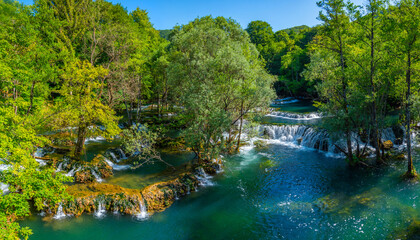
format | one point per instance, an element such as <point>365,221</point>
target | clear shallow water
<point>276,193</point>
<point>302,106</point>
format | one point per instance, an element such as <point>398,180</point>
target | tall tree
<point>333,40</point>
<point>219,78</point>
<point>79,108</point>
<point>404,24</point>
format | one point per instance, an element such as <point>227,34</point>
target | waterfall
<point>60,214</point>
<point>295,116</point>
<point>143,211</point>
<point>113,156</point>
<point>4,188</point>
<point>94,139</point>
<point>72,171</point>
<point>286,100</point>
<point>203,178</point>
<point>97,177</point>
<point>319,139</point>
<point>122,154</point>
<point>100,210</point>
<point>115,166</point>
<point>303,136</point>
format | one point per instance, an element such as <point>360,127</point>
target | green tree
<point>218,77</point>
<point>330,65</point>
<point>404,24</point>
<point>79,107</point>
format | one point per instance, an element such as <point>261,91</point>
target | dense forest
<point>75,70</point>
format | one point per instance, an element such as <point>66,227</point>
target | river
<point>284,191</point>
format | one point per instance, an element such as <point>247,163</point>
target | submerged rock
<point>412,232</point>
<point>343,204</point>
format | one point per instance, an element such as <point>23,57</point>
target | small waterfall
<point>203,178</point>
<point>122,154</point>
<point>4,188</point>
<point>113,156</point>
<point>96,175</point>
<point>115,166</point>
<point>298,135</point>
<point>4,167</point>
<point>143,211</point>
<point>100,210</point>
<point>287,100</point>
<point>295,116</point>
<point>94,139</point>
<point>72,172</point>
<point>60,214</point>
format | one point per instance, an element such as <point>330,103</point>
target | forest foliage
<point>83,68</point>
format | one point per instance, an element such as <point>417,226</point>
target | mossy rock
<point>84,176</point>
<point>268,164</point>
<point>387,145</point>
<point>260,144</point>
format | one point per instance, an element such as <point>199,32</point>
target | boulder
<point>388,144</point>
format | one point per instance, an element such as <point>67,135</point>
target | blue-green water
<point>281,192</point>
<point>301,194</point>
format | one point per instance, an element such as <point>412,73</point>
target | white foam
<point>60,214</point>
<point>295,116</point>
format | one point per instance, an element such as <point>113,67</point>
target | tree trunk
<point>81,135</point>
<point>31,98</point>
<point>410,167</point>
<point>240,128</point>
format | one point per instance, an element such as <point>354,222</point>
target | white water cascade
<point>305,136</point>
<point>203,178</point>
<point>96,175</point>
<point>143,211</point>
<point>100,210</point>
<point>295,116</point>
<point>60,214</point>
<point>116,167</point>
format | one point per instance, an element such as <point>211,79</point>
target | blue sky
<point>280,14</point>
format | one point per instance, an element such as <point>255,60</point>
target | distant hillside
<point>296,29</point>
<point>165,33</point>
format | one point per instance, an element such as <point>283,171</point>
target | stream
<point>283,191</point>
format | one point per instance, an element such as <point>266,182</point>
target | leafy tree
<point>330,65</point>
<point>26,181</point>
<point>370,65</point>
<point>404,24</point>
<point>80,109</point>
<point>219,78</point>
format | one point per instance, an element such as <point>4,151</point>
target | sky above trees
<point>281,14</point>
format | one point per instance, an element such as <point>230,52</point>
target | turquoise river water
<point>279,192</point>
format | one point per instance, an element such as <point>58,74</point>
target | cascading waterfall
<point>286,100</point>
<point>143,211</point>
<point>122,154</point>
<point>203,178</point>
<point>72,171</point>
<point>295,116</point>
<point>4,188</point>
<point>60,213</point>
<point>96,175</point>
<point>113,156</point>
<point>116,167</point>
<point>100,210</point>
<point>304,136</point>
